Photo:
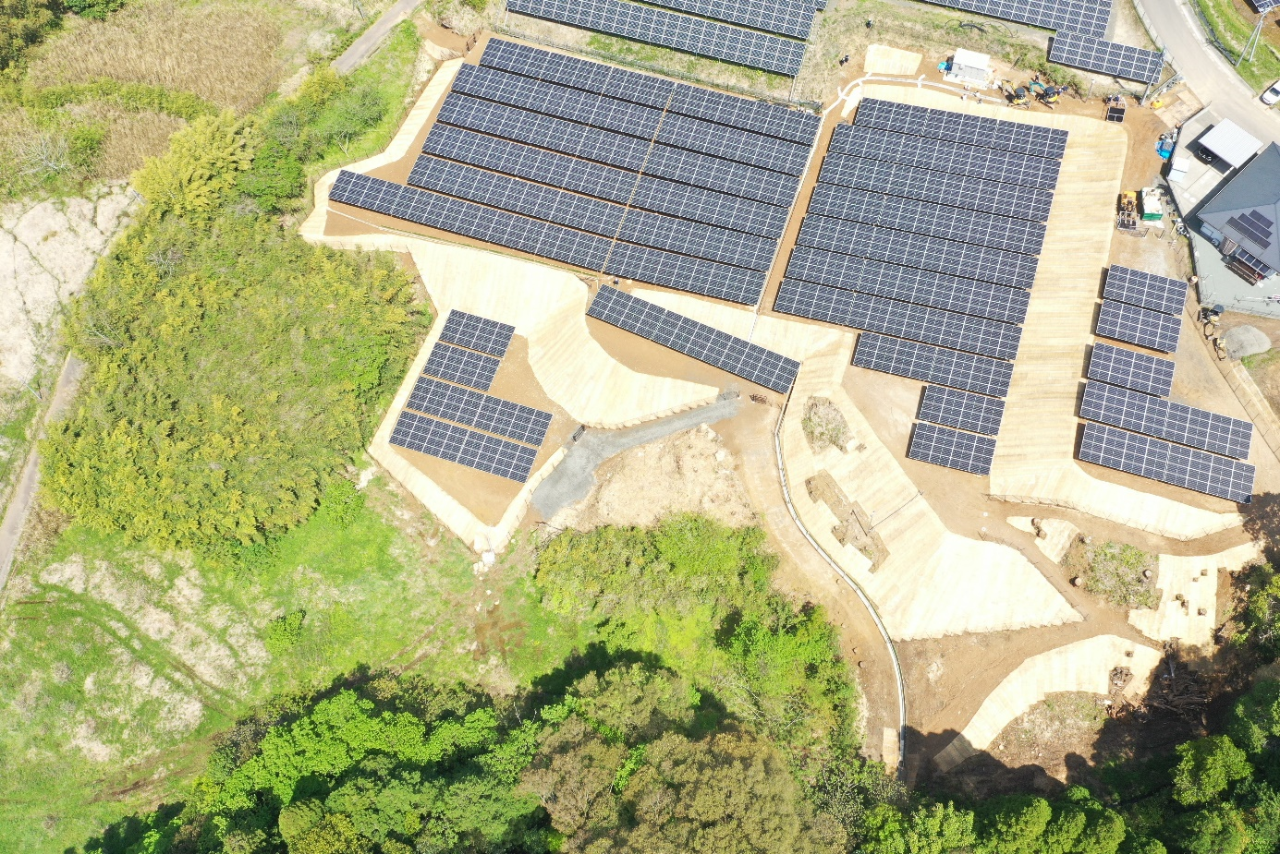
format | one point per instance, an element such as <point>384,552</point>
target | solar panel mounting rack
<point>481,411</point>
<point>1130,369</point>
<point>1104,57</point>
<point>1148,290</point>
<point>1141,326</point>
<point>1164,419</point>
<point>954,449</point>
<point>1168,463</point>
<point>477,333</point>
<point>963,410</point>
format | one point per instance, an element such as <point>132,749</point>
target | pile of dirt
<point>690,472</point>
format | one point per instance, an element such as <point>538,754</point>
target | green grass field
<point>1233,29</point>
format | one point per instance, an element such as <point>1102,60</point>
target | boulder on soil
<point>1244,341</point>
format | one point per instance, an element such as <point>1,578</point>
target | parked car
<point>1272,95</point>
<point>1205,155</point>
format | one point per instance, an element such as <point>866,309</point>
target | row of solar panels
<point>1080,41</point>
<point>1142,308</point>
<point>687,33</point>
<point>698,340</point>
<point>957,430</point>
<point>449,416</point>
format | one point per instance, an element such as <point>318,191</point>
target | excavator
<point>1020,96</point>
<point>1017,97</point>
<point>1045,94</point>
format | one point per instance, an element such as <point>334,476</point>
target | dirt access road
<point>363,48</point>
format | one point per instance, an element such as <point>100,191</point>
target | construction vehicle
<point>1211,319</point>
<point>1127,212</point>
<point>1016,96</point>
<point>1116,109</point>
<point>1046,94</point>
<point>1151,205</point>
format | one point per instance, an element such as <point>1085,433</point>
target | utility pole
<point>1251,47</point>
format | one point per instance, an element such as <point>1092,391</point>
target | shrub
<point>98,9</point>
<point>824,425</point>
<point>275,177</point>
<point>200,168</point>
<point>284,632</point>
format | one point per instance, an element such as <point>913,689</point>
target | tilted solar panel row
<point>631,119</point>
<point>598,217</point>
<point>481,411</point>
<point>460,445</point>
<point>785,17</point>
<point>719,107</point>
<point>981,229</point>
<point>668,29</point>
<point>615,149</point>
<point>1104,57</point>
<point>477,333</point>
<point>1168,463</point>
<point>937,155</point>
<point>698,340</point>
<point>1141,326</point>
<point>1086,16</point>
<point>939,188</point>
<point>943,446</point>
<point>548,240</point>
<point>931,364</point>
<point>1138,371</point>
<point>1148,290</point>
<point>891,317</point>
<point>461,366</point>
<point>929,253</point>
<point>932,123</point>
<point>963,410</point>
<point>606,182</point>
<point>1164,419</point>
<point>909,284</point>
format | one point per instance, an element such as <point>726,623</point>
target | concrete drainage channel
<point>573,478</point>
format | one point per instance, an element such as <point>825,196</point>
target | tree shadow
<point>121,835</point>
<point>1262,523</point>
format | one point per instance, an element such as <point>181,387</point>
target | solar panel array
<point>788,17</point>
<point>1264,5</point>
<point>1103,57</point>
<point>1152,329</point>
<point>924,232</point>
<point>1148,290</point>
<point>961,409</point>
<point>687,33</point>
<point>955,449</point>
<point>477,333</point>
<point>1138,371</point>
<point>445,419</point>
<point>459,445</point>
<point>1168,463</point>
<point>704,343</point>
<point>1085,16</point>
<point>1164,419</point>
<point>605,169</point>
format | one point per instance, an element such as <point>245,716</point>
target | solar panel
<point>919,323</point>
<point>1168,463</point>
<point>931,364</point>
<point>482,411</point>
<point>1264,5</point>
<point>943,155</point>
<point>606,182</point>
<point>983,131</point>
<point>909,284</point>
<point>461,366</point>
<point>786,17</point>
<point>668,29</point>
<point>1103,57</point>
<point>1164,419</point>
<point>702,342</point>
<point>961,409</point>
<point>928,253</point>
<point>1158,293</point>
<point>939,188</point>
<point>981,229</point>
<point>477,333</point>
<point>1137,371</point>
<point>943,446</point>
<point>759,116</point>
<point>1146,328</point>
<point>460,445</point>
<point>592,215</point>
<point>1085,16</point>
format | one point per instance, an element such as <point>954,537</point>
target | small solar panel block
<point>954,449</point>
<point>477,333</point>
<point>1084,16</point>
<point>931,364</point>
<point>698,340</point>
<point>460,366</point>
<point>1152,329</point>
<point>933,123</point>
<point>467,447</point>
<point>481,411</point>
<point>963,410</point>
<point>1164,419</point>
<point>1168,463</point>
<point>1126,368</point>
<point>1103,57</point>
<point>1148,290</point>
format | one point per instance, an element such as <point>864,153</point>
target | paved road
<point>364,47</point>
<point>15,516</point>
<point>572,479</point>
<point>1206,71</point>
